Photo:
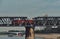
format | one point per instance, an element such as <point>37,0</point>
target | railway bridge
<point>48,22</point>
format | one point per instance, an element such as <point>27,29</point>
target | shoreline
<point>48,36</point>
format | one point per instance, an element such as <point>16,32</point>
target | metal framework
<point>7,21</point>
<point>47,21</point>
<point>37,21</point>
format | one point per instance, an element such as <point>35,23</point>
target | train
<point>22,22</point>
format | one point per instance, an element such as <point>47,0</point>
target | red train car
<point>18,22</point>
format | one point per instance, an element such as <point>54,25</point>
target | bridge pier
<point>29,33</point>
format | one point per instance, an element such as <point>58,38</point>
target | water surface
<point>17,37</point>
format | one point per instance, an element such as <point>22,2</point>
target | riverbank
<point>48,36</point>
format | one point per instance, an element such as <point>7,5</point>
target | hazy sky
<point>29,7</point>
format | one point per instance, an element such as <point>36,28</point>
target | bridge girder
<point>37,21</point>
<point>47,21</point>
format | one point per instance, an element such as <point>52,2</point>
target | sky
<point>30,8</point>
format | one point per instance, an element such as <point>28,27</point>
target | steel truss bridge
<point>7,21</point>
<point>37,21</point>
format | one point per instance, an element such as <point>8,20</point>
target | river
<point>11,28</point>
<point>17,38</point>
